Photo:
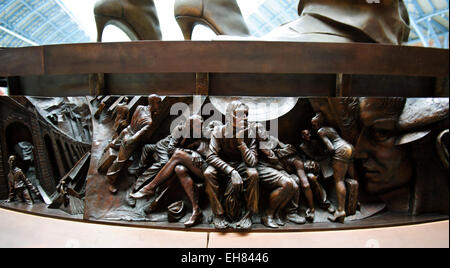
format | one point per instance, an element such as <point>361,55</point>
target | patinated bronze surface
<point>20,186</point>
<point>137,18</point>
<point>134,135</point>
<point>322,173</point>
<point>47,142</point>
<point>232,162</point>
<point>346,21</point>
<point>332,159</point>
<point>294,69</point>
<point>222,16</point>
<point>342,161</point>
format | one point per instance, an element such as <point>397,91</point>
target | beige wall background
<point>25,230</point>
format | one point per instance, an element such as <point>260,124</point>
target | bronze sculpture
<point>137,18</point>
<point>121,120</point>
<point>387,137</point>
<point>160,154</point>
<point>346,21</point>
<point>385,140</point>
<point>342,153</point>
<point>270,170</point>
<point>132,137</point>
<point>319,20</point>
<point>234,154</point>
<point>284,157</point>
<point>313,153</point>
<point>19,185</point>
<point>391,151</point>
<point>187,156</point>
<point>222,16</point>
<point>41,150</point>
<point>240,158</point>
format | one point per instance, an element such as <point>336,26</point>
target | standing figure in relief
<point>342,161</point>
<point>19,185</point>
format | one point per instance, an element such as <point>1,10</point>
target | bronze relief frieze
<point>227,163</point>
<point>216,163</point>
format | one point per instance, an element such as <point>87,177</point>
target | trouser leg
<point>213,190</point>
<point>12,194</point>
<point>124,154</point>
<point>151,172</point>
<point>250,178</point>
<point>24,194</point>
<point>146,157</point>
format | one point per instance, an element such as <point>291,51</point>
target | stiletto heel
<point>101,22</point>
<point>186,25</point>
<point>137,18</point>
<point>224,17</point>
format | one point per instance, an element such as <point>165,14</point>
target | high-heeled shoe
<point>224,17</point>
<point>137,18</point>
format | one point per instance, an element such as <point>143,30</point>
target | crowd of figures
<point>232,165</point>
<point>239,163</point>
<point>347,155</point>
<point>392,149</point>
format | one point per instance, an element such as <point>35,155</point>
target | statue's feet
<point>295,218</point>
<point>328,206</point>
<point>331,209</point>
<point>131,202</point>
<point>269,221</point>
<point>279,221</point>
<point>245,223</point>
<point>310,214</point>
<point>142,193</point>
<point>196,218</point>
<point>112,189</point>
<point>338,216</point>
<point>220,223</point>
